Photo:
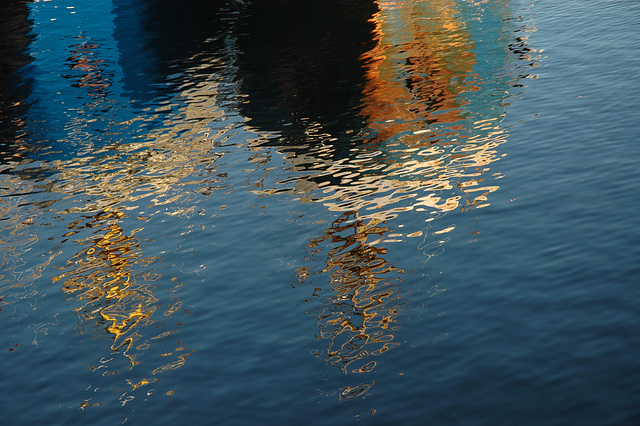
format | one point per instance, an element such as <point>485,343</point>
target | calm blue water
<point>420,212</point>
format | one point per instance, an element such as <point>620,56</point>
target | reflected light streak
<point>107,278</point>
<point>361,302</point>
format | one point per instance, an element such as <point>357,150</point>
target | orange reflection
<point>83,59</point>
<point>423,86</point>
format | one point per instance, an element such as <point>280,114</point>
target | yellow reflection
<point>102,276</point>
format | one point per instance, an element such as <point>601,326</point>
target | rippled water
<point>319,212</point>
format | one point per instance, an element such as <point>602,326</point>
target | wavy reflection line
<point>17,275</point>
<point>102,277</point>
<point>362,299</point>
<point>115,287</point>
<point>91,72</point>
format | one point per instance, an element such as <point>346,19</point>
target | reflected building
<point>423,125</point>
<point>363,297</point>
<point>404,120</point>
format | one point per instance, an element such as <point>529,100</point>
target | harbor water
<point>319,212</point>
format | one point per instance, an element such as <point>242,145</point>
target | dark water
<point>317,212</point>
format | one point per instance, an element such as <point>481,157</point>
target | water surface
<point>319,212</point>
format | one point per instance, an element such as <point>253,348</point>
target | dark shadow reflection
<point>15,26</point>
<point>299,66</point>
<point>162,42</point>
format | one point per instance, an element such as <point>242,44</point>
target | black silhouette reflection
<point>15,25</point>
<point>299,66</point>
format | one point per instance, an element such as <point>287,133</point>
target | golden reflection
<point>359,310</point>
<point>105,278</point>
<point>433,104</point>
<point>153,173</point>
